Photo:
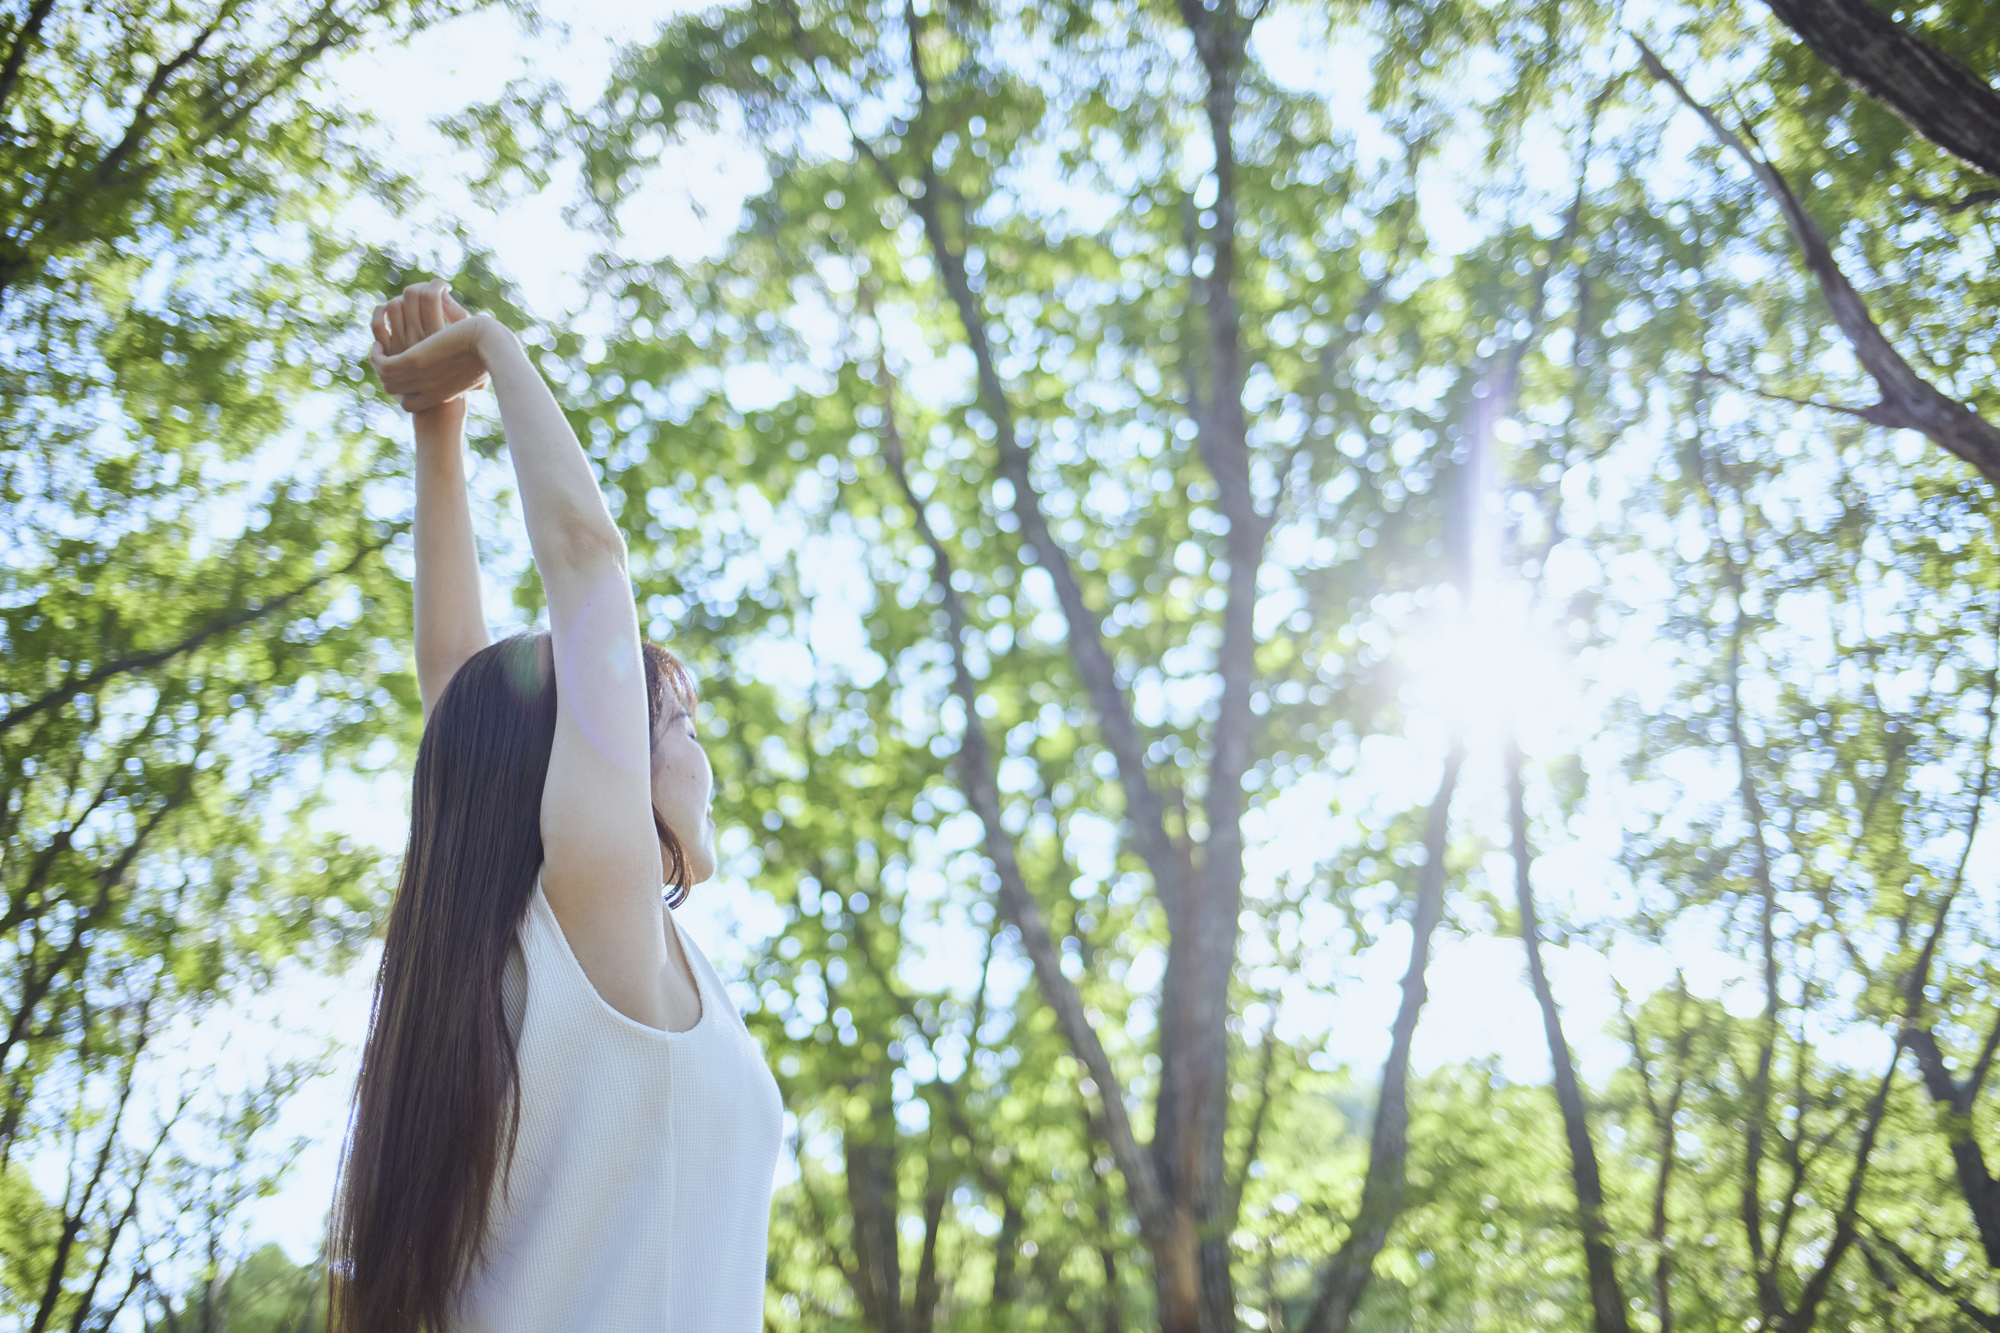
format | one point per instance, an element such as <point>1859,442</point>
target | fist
<point>425,374</point>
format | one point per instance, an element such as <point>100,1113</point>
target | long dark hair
<point>439,1092</point>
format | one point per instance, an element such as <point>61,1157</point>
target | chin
<point>700,863</point>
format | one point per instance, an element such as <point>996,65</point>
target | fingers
<point>437,369</point>
<point>425,301</point>
<point>378,324</point>
<point>398,376</point>
<point>453,311</point>
<point>399,324</point>
<point>385,368</point>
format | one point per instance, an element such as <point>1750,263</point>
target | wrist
<point>441,427</point>
<point>494,340</point>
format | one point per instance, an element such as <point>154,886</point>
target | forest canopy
<point>1187,519</point>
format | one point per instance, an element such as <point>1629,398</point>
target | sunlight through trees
<point>1187,518</point>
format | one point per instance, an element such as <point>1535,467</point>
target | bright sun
<point>1491,668</point>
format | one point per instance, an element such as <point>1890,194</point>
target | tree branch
<point>24,37</point>
<point>35,984</point>
<point>1801,1320</point>
<point>1927,90</point>
<point>1265,1064</point>
<point>1976,199</point>
<point>1909,402</point>
<point>978,778</point>
<point>1143,805</point>
<point>1345,1279</point>
<point>1979,1317</point>
<point>75,1217</point>
<point>924,1301</point>
<point>1983,1065</point>
<point>114,160</point>
<point>221,624</point>
<point>818,1207</point>
<point>1920,971</point>
<point>1842,409</point>
<point>1770,1298</point>
<point>1607,1296</point>
<point>1975,1177</point>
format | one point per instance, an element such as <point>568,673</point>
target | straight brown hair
<point>438,1095</point>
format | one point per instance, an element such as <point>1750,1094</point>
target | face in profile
<point>684,787</point>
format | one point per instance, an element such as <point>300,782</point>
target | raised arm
<point>602,865</point>
<point>451,621</point>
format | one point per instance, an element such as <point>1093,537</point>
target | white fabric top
<point>640,1195</point>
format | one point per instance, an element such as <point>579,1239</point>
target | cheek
<point>682,777</point>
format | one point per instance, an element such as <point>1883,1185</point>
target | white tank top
<point>640,1194</point>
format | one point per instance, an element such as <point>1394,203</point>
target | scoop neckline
<point>604,1005</point>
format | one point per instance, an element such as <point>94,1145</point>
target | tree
<point>1135,427</point>
<point>904,225</point>
<point>192,636</point>
<point>1932,93</point>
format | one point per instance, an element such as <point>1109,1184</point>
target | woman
<point>561,1122</point>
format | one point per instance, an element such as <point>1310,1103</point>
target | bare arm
<point>451,622</point>
<point>602,866</point>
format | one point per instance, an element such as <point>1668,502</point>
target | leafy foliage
<point>1594,376</point>
<point>1011,354</point>
<point>196,616</point>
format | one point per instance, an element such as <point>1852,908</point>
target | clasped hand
<point>428,348</point>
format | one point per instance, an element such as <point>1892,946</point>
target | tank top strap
<point>558,986</point>
<point>705,976</point>
<point>560,993</point>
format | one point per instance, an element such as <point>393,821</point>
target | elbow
<point>582,539</point>
<point>586,546</point>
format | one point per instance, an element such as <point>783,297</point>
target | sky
<point>1480,1004</point>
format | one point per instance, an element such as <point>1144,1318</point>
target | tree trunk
<point>1006,1254</point>
<point>1199,1183</point>
<point>1347,1275</point>
<point>1607,1298</point>
<point>923,1306</point>
<point>1177,1275</point>
<point>1929,91</point>
<point>871,1200</point>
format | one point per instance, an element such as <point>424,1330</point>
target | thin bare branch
<point>1909,402</point>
